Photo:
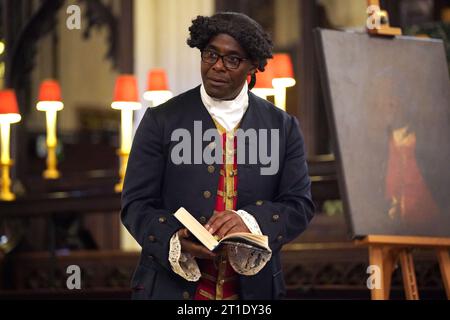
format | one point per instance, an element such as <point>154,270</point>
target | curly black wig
<point>250,35</point>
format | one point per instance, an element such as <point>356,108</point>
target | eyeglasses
<point>230,61</point>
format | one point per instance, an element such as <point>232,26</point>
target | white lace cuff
<point>182,264</point>
<point>249,221</point>
<point>245,260</point>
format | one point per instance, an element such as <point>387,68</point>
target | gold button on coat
<point>207,194</point>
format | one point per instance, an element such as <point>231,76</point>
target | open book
<point>242,239</point>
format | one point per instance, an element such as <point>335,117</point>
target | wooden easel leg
<point>390,256</point>
<point>444,264</point>
<point>376,259</point>
<point>384,258</point>
<point>409,275</point>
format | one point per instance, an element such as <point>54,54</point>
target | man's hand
<point>225,222</point>
<point>196,249</point>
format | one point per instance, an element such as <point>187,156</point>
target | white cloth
<point>227,113</point>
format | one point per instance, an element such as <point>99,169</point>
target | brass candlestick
<point>51,172</point>
<point>5,188</point>
<point>123,168</point>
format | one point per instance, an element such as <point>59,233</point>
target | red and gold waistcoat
<point>218,279</point>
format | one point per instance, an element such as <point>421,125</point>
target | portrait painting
<point>388,105</point>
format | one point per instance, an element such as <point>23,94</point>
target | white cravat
<point>227,113</point>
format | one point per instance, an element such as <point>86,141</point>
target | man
<point>228,196</point>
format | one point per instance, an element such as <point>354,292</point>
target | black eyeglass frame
<point>223,57</point>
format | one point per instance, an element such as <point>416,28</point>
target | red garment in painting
<point>410,198</point>
<point>219,281</point>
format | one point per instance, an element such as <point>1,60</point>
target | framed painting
<point>388,106</point>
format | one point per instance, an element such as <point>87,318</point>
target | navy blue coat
<point>155,188</point>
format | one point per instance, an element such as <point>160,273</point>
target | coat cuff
<point>157,241</point>
<point>182,264</point>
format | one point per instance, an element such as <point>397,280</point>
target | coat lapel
<point>246,171</point>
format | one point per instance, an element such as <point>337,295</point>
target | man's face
<point>221,82</point>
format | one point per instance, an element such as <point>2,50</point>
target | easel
<point>385,251</point>
<point>384,28</point>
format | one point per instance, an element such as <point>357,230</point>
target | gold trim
<point>206,294</point>
<point>219,127</point>
<point>232,173</point>
<point>227,194</point>
<point>231,152</point>
<point>233,297</point>
<point>221,275</point>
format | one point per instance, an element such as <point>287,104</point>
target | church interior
<point>66,166</point>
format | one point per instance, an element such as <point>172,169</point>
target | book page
<point>208,240</point>
<point>249,238</point>
<point>196,228</point>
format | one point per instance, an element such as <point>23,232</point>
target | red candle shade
<point>282,66</point>
<point>50,91</point>
<point>8,102</point>
<point>126,89</point>
<point>157,80</point>
<point>264,79</point>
